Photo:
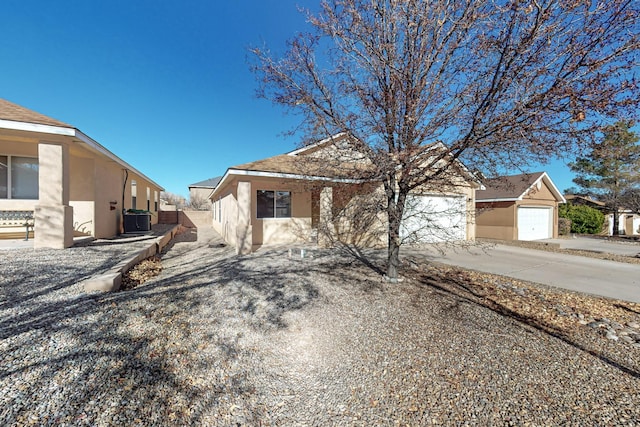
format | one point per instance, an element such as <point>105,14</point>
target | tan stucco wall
<point>498,220</point>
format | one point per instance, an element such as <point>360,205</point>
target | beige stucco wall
<point>109,179</point>
<point>95,183</point>
<point>25,148</point>
<point>82,193</point>
<point>225,217</point>
<point>368,229</point>
<point>269,231</point>
<point>10,147</point>
<point>265,231</point>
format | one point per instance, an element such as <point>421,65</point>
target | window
<point>4,179</point>
<point>155,203</point>
<point>18,177</point>
<point>134,193</point>
<point>274,204</point>
<point>148,199</point>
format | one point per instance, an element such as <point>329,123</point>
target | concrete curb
<point>112,280</point>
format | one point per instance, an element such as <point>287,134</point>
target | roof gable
<point>334,159</point>
<point>516,187</point>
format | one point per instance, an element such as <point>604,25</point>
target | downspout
<point>124,189</point>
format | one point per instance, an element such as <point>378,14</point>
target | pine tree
<point>611,168</point>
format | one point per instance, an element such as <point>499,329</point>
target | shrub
<point>584,219</point>
<point>564,226</point>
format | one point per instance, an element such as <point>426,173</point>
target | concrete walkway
<point>606,278</point>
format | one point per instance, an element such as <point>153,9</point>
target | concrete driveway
<point>595,244</point>
<point>606,278</point>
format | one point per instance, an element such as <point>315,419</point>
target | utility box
<point>137,222</point>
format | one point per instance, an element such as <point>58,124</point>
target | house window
<point>4,179</point>
<point>134,193</point>
<point>219,209</point>
<point>148,199</point>
<point>18,177</point>
<point>274,204</point>
<point>155,203</point>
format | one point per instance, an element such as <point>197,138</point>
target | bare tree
<point>173,199</point>
<point>197,202</point>
<point>498,83</point>
<point>630,199</point>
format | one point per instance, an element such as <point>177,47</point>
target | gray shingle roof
<point>207,183</point>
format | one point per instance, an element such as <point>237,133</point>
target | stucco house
<point>289,197</point>
<point>63,180</point>
<point>202,190</point>
<point>518,207</point>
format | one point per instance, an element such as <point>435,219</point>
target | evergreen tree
<point>611,168</point>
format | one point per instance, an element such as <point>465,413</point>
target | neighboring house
<point>290,197</point>
<point>66,181</point>
<point>202,190</point>
<point>518,207</point>
<point>628,221</point>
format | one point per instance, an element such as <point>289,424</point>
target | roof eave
<point>102,150</point>
<point>74,133</point>
<point>502,199</point>
<point>36,127</point>
<point>265,174</point>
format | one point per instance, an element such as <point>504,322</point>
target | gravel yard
<point>274,339</point>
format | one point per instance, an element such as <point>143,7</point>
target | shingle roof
<point>587,199</point>
<point>305,166</point>
<point>16,113</point>
<point>507,187</point>
<point>207,183</point>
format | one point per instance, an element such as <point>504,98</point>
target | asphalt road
<point>606,278</point>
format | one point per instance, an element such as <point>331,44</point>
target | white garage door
<point>534,223</point>
<point>431,219</point>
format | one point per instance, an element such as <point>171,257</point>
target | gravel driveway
<point>269,339</point>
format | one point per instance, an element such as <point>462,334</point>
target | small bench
<point>13,219</point>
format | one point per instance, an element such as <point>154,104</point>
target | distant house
<point>289,197</point>
<point>628,221</point>
<point>67,182</point>
<point>518,207</point>
<point>202,190</point>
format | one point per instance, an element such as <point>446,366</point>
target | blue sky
<point>163,84</point>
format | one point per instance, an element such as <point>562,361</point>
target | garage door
<point>534,223</point>
<point>431,219</point>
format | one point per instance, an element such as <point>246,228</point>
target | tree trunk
<point>393,252</point>
<point>395,209</point>
<point>616,221</point>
